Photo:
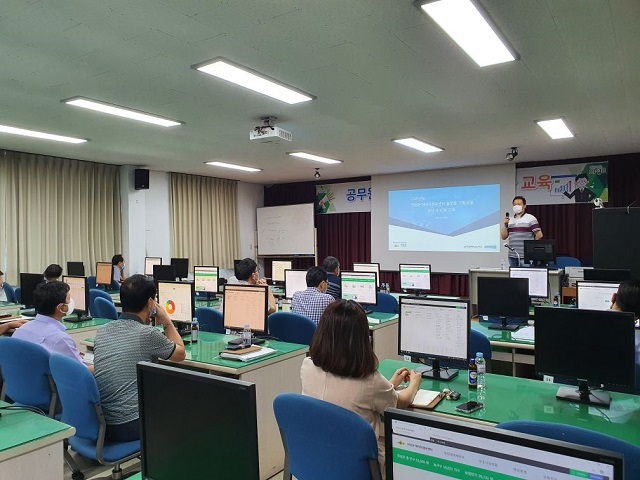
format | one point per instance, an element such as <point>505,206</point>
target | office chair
<point>387,303</point>
<point>91,280</point>
<point>104,308</point>
<point>322,440</point>
<point>478,342</point>
<point>17,293</point>
<point>562,262</point>
<point>93,294</point>
<point>210,319</point>
<point>581,436</point>
<point>8,289</point>
<point>27,379</point>
<point>81,409</point>
<point>291,327</point>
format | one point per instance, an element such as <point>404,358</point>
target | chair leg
<point>116,473</point>
<point>76,473</point>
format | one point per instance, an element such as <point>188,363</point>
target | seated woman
<point>342,369</point>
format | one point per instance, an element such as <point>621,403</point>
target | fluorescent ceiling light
<point>413,142</point>
<point>315,158</point>
<point>120,111</point>
<point>245,77</point>
<point>34,134</point>
<point>235,167</point>
<point>556,128</point>
<point>469,28</point>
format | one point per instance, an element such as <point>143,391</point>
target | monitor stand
<point>583,395</point>
<point>184,328</point>
<point>436,373</point>
<point>503,325</point>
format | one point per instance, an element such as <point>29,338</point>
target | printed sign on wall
<point>343,197</point>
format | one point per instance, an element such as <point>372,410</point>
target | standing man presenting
<point>522,226</point>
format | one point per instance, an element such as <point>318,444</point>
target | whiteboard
<point>286,230</point>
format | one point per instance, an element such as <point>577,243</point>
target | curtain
<point>204,215</point>
<point>57,210</point>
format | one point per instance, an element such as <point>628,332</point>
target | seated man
<point>52,273</point>
<point>627,299</point>
<point>7,293</point>
<point>332,267</point>
<point>248,273</point>
<point>53,302</point>
<point>312,301</point>
<point>121,344</point>
<point>118,269</point>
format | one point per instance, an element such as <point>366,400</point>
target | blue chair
<point>478,342</point>
<point>581,436</point>
<point>387,303</point>
<point>210,319</point>
<point>81,409</point>
<point>291,327</point>
<point>27,379</point>
<point>322,440</point>
<point>562,262</point>
<point>8,290</point>
<point>91,280</point>
<point>17,293</point>
<point>104,308</point>
<point>93,294</point>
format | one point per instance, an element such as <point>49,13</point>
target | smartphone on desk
<point>469,407</point>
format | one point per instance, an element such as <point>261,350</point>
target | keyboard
<point>76,319</point>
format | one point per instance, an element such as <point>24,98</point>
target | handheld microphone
<point>506,214</point>
<point>506,224</point>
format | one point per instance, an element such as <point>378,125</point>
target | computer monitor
<point>104,274</point>
<point>149,262</point>
<point>232,452</point>
<point>182,267</point>
<point>591,346</point>
<point>435,329</point>
<point>164,272</point>
<point>277,270</point>
<point>415,277</point>
<point>595,295</point>
<point>422,446</point>
<point>79,292</point>
<point>205,280</point>
<point>504,300</point>
<point>245,305</point>
<point>539,252</point>
<point>538,280</point>
<point>359,286</point>
<point>607,274</point>
<point>294,281</point>
<point>177,300</point>
<point>28,284</point>
<point>368,267</point>
<point>75,268</point>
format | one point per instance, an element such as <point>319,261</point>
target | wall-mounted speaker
<point>141,179</point>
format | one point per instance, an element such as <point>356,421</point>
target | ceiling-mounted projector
<point>268,132</point>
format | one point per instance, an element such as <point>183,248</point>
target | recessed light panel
<point>42,135</point>
<point>556,128</point>
<point>119,111</point>
<point>413,142</point>
<point>315,158</point>
<point>234,167</point>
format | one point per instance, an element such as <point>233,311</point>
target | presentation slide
<point>449,219</point>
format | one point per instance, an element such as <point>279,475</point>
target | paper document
<point>87,358</point>
<point>524,333</point>
<point>426,399</point>
<point>246,357</point>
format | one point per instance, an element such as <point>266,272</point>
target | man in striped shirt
<point>522,226</point>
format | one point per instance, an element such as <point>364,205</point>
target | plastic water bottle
<point>556,299</point>
<point>279,303</point>
<point>502,264</point>
<point>195,327</point>
<point>481,365</point>
<point>473,374</point>
<point>246,336</point>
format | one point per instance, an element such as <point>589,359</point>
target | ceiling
<point>380,69</point>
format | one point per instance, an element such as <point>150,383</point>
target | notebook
<point>427,399</point>
<point>247,357</point>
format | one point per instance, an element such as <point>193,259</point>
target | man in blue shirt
<point>312,301</point>
<point>331,265</point>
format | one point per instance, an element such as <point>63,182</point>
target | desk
<point>31,446</point>
<point>520,351</point>
<point>81,330</point>
<point>512,398</point>
<point>384,334</point>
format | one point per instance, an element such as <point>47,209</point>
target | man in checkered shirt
<point>312,301</point>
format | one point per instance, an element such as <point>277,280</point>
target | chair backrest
<point>562,262</point>
<point>93,294</point>
<point>78,394</point>
<point>27,378</point>
<point>17,293</point>
<point>104,308</point>
<point>11,296</point>
<point>291,327</point>
<point>387,303</point>
<point>91,280</point>
<point>322,440</point>
<point>478,342</point>
<point>210,319</point>
<point>581,436</point>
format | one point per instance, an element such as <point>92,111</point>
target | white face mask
<point>517,209</point>
<point>71,307</point>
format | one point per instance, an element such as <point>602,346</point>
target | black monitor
<point>504,300</point>
<point>79,292</point>
<point>294,281</point>
<point>220,443</point>
<point>149,262</point>
<point>28,284</point>
<point>277,270</point>
<point>104,274</point>
<point>164,272</point>
<point>607,274</point>
<point>435,329</point>
<point>360,287</point>
<point>245,305</point>
<point>538,279</point>
<point>591,346</point>
<point>205,280</point>
<point>75,268</point>
<point>182,267</point>
<point>591,295</point>
<point>415,278</point>
<point>424,446</point>
<point>177,300</point>
<point>368,267</point>
<point>539,252</point>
